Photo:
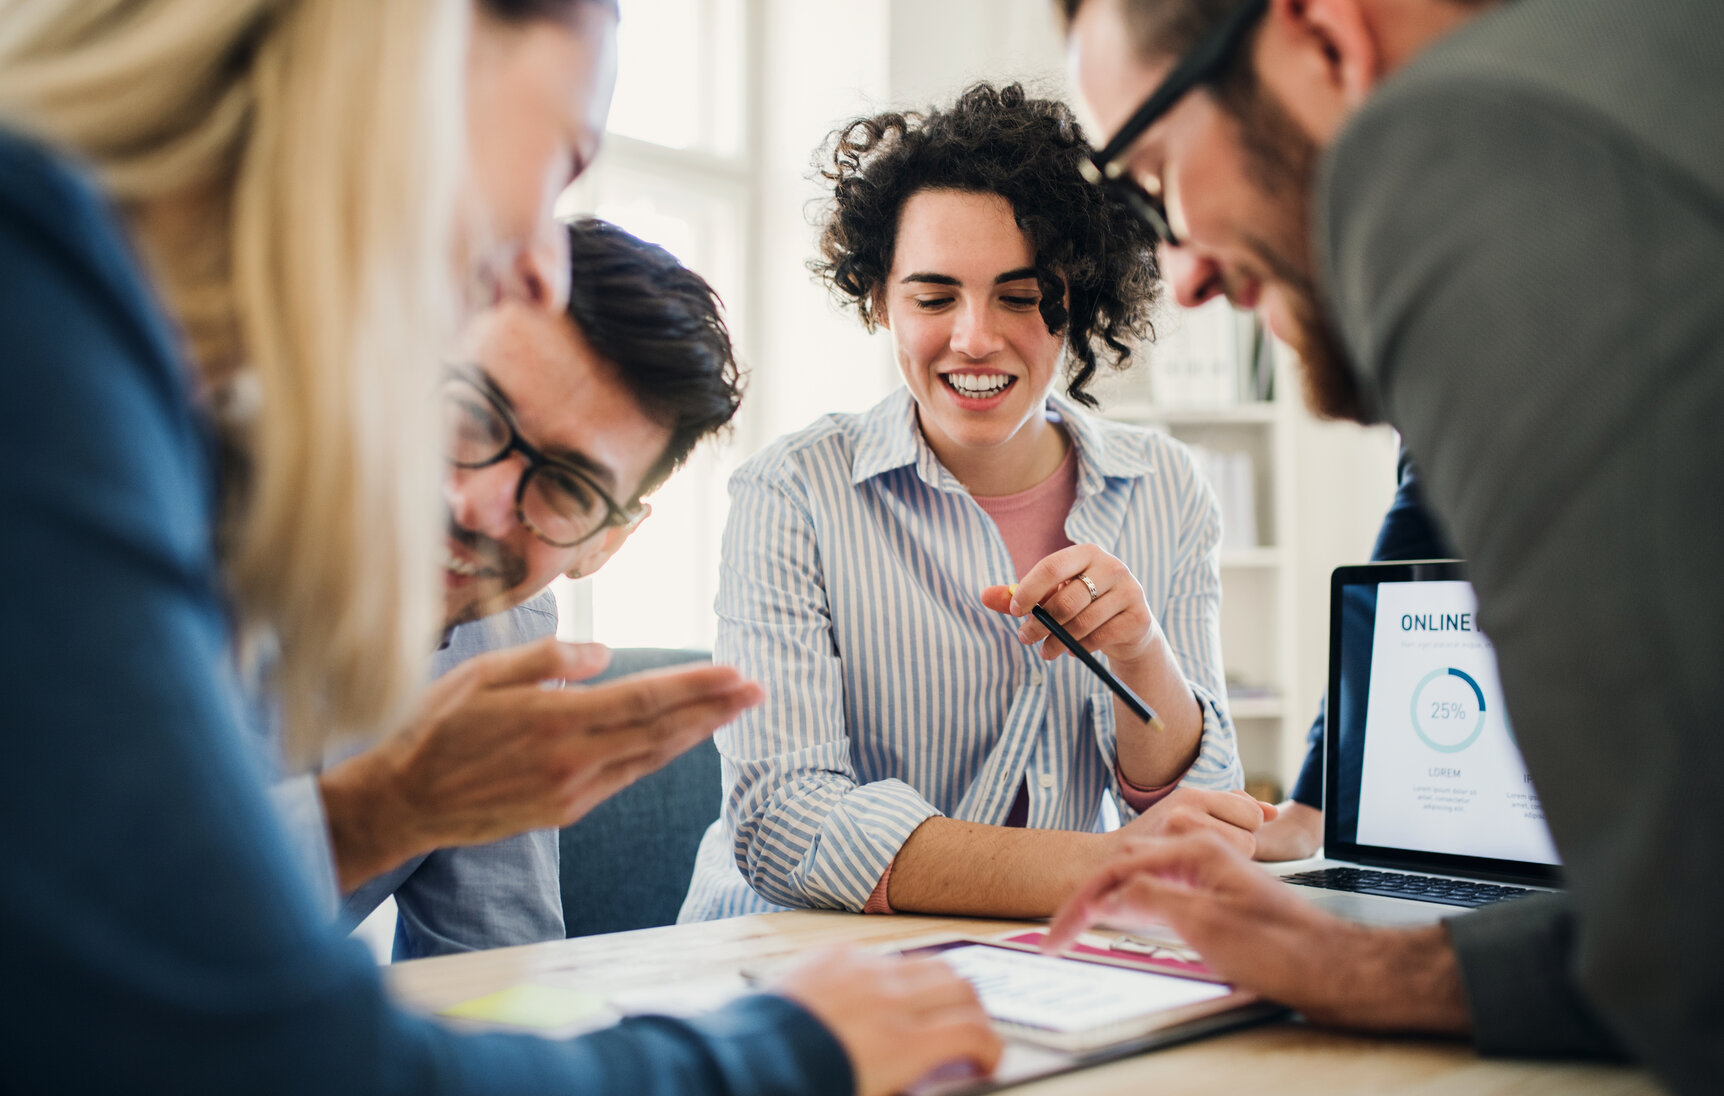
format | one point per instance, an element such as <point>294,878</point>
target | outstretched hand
<point>493,751</point>
<point>1255,932</point>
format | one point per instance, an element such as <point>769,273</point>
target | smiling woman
<point>958,767</point>
<point>1094,267</point>
<point>963,302</point>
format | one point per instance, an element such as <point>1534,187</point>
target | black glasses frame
<point>616,515</point>
<point>1105,168</point>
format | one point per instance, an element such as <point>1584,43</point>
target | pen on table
<point>1120,689</point>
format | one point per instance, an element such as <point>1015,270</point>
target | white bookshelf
<point>1235,558</point>
<point>1257,614</point>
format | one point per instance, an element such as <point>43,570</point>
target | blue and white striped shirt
<point>852,570</point>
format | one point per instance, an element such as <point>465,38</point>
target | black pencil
<point>1120,689</point>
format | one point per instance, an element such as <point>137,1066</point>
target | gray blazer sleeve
<point>1516,962</point>
<point>1534,299</point>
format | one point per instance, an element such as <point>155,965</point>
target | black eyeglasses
<point>557,501</point>
<point>1105,168</point>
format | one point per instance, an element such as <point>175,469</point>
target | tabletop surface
<point>1287,1058</point>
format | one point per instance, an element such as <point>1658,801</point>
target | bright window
<point>681,74</point>
<point>673,173</point>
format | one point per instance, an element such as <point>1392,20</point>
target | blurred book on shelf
<point>1234,477</point>
<point>1210,356</point>
<point>1252,701</point>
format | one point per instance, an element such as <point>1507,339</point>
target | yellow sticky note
<point>528,1006</point>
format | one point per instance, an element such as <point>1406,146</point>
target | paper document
<point>1061,995</point>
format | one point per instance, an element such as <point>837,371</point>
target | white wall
<point>1343,480</point>
<point>939,46</point>
<point>826,62</point>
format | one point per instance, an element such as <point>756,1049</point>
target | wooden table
<point>1285,1059</point>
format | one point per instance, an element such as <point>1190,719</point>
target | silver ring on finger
<point>1093,592</point>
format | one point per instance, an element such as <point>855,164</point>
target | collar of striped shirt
<point>890,440</point>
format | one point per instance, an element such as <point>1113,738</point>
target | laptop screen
<point>1422,766</point>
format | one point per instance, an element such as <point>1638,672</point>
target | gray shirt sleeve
<point>482,896</point>
<point>1533,298</point>
<point>479,896</point>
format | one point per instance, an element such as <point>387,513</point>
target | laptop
<point>1428,808</point>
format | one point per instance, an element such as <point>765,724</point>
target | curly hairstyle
<point>994,141</point>
<point>663,327</point>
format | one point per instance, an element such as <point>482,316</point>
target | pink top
<point>1033,525</point>
<point>1033,522</point>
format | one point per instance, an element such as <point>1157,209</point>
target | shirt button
<point>1046,780</point>
<point>1036,678</point>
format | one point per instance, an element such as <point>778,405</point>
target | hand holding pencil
<point>1083,600</point>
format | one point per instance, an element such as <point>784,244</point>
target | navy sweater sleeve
<point>1408,532</point>
<point>153,935</point>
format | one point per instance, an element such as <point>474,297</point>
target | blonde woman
<point>235,236</point>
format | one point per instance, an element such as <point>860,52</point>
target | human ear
<point>1349,44</point>
<point>1321,58</point>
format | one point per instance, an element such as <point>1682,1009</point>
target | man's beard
<point>1282,163</point>
<point>490,594</point>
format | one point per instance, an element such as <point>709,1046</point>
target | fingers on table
<point>1154,876</point>
<point>1235,808</point>
<point>1235,823</point>
<point>934,983</point>
<point>961,1035</point>
<point>944,1014</point>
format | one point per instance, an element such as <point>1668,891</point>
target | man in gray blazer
<point>1515,216</point>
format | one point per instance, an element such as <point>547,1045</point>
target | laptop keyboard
<point>1420,888</point>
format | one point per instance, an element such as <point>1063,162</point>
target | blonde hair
<point>290,170</point>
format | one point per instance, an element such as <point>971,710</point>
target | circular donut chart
<point>1437,692</point>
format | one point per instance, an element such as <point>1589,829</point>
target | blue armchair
<point>627,864</point>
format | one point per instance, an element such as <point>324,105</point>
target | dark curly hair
<point>993,141</point>
<point>663,327</point>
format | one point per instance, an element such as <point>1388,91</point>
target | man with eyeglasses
<point>553,433</point>
<point>1501,229</point>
